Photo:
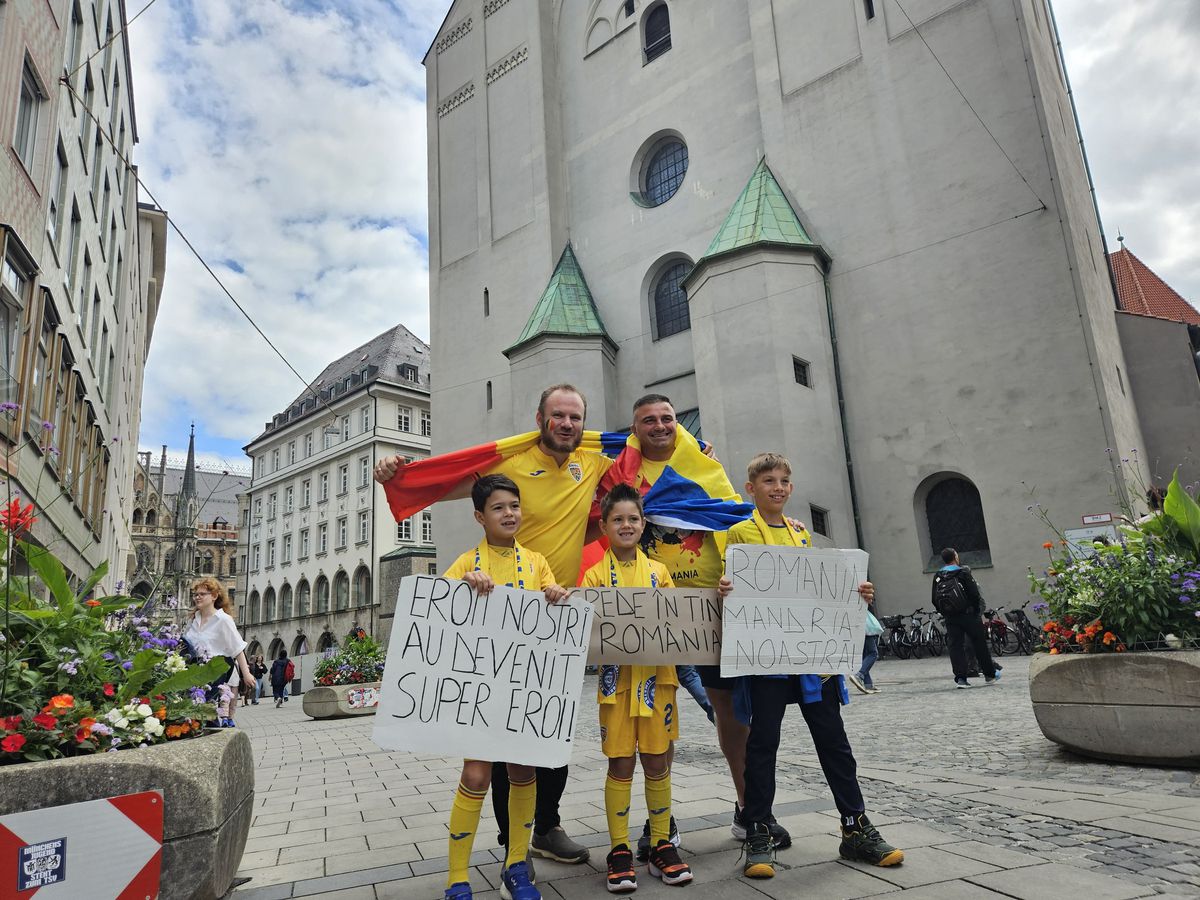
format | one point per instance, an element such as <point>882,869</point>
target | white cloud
<point>288,141</point>
<point>1135,71</point>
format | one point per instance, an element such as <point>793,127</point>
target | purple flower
<point>101,729</point>
<point>9,407</point>
<point>47,425</point>
<point>127,665</point>
<point>1183,598</point>
<point>108,656</point>
<point>197,694</point>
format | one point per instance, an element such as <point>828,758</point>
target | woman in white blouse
<point>211,633</point>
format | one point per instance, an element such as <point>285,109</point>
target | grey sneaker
<point>555,844</point>
<point>859,684</point>
<point>993,679</point>
<point>961,683</point>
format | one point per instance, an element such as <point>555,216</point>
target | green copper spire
<point>566,307</point>
<point>761,215</point>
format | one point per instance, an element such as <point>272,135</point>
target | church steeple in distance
<point>189,473</point>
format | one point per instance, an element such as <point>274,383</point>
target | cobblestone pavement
<point>982,804</point>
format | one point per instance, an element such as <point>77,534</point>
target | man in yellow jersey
<point>557,481</point>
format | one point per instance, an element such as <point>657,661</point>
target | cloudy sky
<point>287,140</point>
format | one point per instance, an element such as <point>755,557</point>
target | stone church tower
<point>858,232</point>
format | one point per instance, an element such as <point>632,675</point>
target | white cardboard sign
<point>793,611</point>
<point>494,678</point>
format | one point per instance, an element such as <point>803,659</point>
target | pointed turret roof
<point>761,215</point>
<point>1143,293</point>
<point>189,472</point>
<point>565,308</point>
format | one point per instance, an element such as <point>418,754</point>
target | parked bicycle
<point>924,635</point>
<point>1029,636</point>
<point>892,642</point>
<point>1002,637</point>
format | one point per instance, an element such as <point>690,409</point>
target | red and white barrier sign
<point>102,849</point>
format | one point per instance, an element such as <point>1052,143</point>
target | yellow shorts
<point>622,734</point>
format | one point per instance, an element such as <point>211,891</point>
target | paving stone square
<point>963,781</point>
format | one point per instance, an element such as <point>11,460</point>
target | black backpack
<point>949,595</point>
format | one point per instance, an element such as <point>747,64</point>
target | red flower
<point>45,720</point>
<point>91,602</point>
<point>14,519</point>
<point>12,743</point>
<point>109,690</point>
<point>59,703</point>
<point>1047,545</point>
<point>11,723</point>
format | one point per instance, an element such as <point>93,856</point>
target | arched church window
<point>954,513</point>
<point>670,302</point>
<point>657,32</point>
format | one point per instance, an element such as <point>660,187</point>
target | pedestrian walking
<point>279,678</point>
<point>258,669</point>
<point>862,678</point>
<point>956,596</point>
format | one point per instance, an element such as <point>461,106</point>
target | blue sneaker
<point>515,883</point>
<point>995,678</point>
<point>459,891</point>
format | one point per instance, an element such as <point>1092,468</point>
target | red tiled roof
<point>1143,293</point>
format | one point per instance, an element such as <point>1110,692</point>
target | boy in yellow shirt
<point>766,698</point>
<point>498,559</point>
<point>637,707</point>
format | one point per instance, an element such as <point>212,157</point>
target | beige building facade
<point>859,234</point>
<point>83,267</point>
<point>318,530</point>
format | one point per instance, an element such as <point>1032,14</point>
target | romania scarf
<point>800,538</point>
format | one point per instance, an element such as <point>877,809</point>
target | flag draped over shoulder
<point>692,493</point>
<point>426,481</point>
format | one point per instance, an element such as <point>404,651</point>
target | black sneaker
<point>961,682</point>
<point>760,852</point>
<point>779,835</point>
<point>862,842</point>
<point>621,877</point>
<point>665,863</point>
<point>643,848</point>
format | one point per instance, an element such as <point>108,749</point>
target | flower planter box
<point>1128,707</point>
<point>340,700</point>
<point>208,801</point>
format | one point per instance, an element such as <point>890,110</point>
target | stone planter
<point>340,700</point>
<point>208,801</point>
<point>1128,707</point>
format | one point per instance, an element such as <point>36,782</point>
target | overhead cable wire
<point>969,105</point>
<point>105,45</point>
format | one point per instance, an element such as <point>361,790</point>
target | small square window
<point>800,371</point>
<point>819,520</point>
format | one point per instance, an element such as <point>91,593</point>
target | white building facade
<point>317,525</point>
<point>859,234</point>
<point>83,269</point>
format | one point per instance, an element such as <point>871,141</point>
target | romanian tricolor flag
<point>426,481</point>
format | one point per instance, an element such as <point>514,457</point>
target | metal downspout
<point>841,399</point>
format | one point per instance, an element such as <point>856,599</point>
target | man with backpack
<point>956,596</point>
<point>282,672</point>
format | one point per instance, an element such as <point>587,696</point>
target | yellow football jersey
<point>501,564</point>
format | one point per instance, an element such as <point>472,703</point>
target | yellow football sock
<point>617,792</point>
<point>658,804</point>
<point>522,797</point>
<point>464,822</point>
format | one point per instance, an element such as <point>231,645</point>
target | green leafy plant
<point>360,660</point>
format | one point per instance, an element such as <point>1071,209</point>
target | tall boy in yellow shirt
<point>637,707</point>
<point>498,559</point>
<point>819,696</point>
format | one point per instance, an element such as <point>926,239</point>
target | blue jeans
<point>870,654</point>
<point>690,679</point>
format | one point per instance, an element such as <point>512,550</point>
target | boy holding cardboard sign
<point>765,698</point>
<point>498,559</point>
<point>637,707</point>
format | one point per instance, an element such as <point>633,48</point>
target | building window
<point>427,527</point>
<point>322,538</point>
<point>404,530</point>
<point>341,590</point>
<point>285,602</point>
<point>308,445</point>
<point>289,499</point>
<point>304,543</point>
<point>322,594</point>
<point>818,520</point>
<point>302,599</point>
<point>233,564</point>
<point>270,554</point>
<point>261,465</point>
<point>323,486</point>
<point>364,471</point>
<point>257,556</point>
<point>365,419</point>
<point>272,505</point>
<point>671,314</point>
<point>800,371</point>
<point>15,295</point>
<point>408,372</point>
<point>328,435</point>
<point>275,460</point>
<point>869,8</point>
<point>426,424</point>
<point>954,516</point>
<point>404,418</point>
<point>658,32</point>
<point>287,548</point>
<point>363,525</point>
<point>341,532</point>
<point>345,428</point>
<point>343,479</point>
<point>58,197</point>
<point>362,587</point>
<point>291,456</point>
<point>28,110</point>
<point>487,304</point>
<point>258,510</point>
<point>664,172</point>
<point>253,606</point>
<point>489,395</point>
<point>305,493</point>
